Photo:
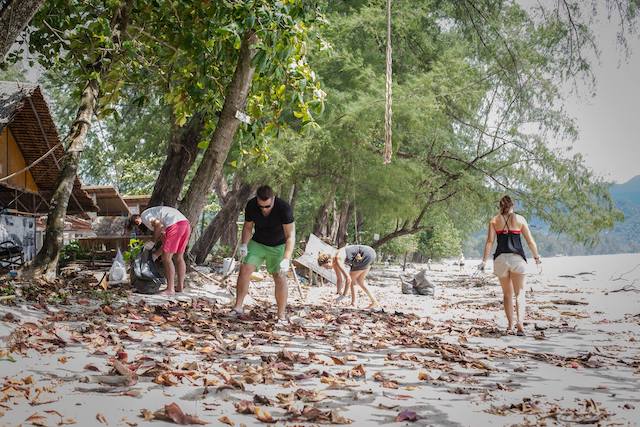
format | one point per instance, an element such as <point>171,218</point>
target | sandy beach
<point>441,360</point>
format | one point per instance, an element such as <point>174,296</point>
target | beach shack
<point>30,156</point>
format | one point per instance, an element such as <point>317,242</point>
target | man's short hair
<point>264,192</point>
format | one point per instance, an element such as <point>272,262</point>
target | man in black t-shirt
<point>272,243</point>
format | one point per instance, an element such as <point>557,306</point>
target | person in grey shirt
<point>359,258</point>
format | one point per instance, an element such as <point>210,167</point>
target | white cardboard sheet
<point>309,258</point>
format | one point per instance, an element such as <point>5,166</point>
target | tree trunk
<point>181,154</point>
<point>14,18</point>
<point>223,221</point>
<point>322,217</point>
<point>46,261</point>
<point>293,195</point>
<point>230,233</point>
<point>343,223</point>
<point>229,236</point>
<point>332,227</point>
<point>210,167</point>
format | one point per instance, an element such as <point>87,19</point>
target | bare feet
<point>520,329</point>
<point>167,293</point>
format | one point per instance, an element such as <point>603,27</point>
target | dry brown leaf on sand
<point>245,407</point>
<point>264,415</point>
<point>337,360</point>
<point>101,418</point>
<point>63,421</point>
<point>423,376</point>
<point>172,413</point>
<point>176,415</point>
<point>37,420</point>
<point>122,369</point>
<point>226,420</point>
<point>406,415</point>
<point>147,415</point>
<point>358,371</point>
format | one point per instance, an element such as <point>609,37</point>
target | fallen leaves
<point>406,415</point>
<point>39,420</point>
<point>172,413</point>
<point>226,420</point>
<point>423,376</point>
<point>588,412</point>
<point>219,355</point>
<point>264,415</point>
<point>130,377</point>
<point>101,419</point>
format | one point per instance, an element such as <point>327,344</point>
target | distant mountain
<point>627,192</point>
<point>623,238</point>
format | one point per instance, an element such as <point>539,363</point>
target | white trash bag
<point>118,271</point>
<point>228,264</point>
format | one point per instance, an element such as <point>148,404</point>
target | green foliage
<point>106,297</point>
<point>7,288</point>
<point>135,247</point>
<point>475,98</point>
<point>176,58</point>
<point>442,240</point>
<point>71,252</point>
<point>400,246</point>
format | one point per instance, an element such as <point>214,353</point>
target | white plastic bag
<point>118,271</point>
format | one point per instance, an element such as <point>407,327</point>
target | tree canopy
<point>476,87</point>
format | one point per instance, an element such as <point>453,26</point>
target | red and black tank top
<point>508,241</point>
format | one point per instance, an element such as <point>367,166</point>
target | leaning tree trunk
<point>46,261</point>
<point>14,18</point>
<point>210,167</point>
<point>181,154</point>
<point>228,214</point>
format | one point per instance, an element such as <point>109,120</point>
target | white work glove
<point>482,265</point>
<point>149,245</point>
<point>243,251</point>
<point>284,265</point>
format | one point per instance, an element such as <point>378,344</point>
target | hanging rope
<point>387,108</point>
<point>8,177</point>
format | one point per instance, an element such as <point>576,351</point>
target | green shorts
<point>259,253</point>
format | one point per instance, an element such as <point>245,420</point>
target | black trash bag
<point>146,277</point>
<point>422,284</point>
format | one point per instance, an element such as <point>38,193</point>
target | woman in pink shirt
<point>169,225</point>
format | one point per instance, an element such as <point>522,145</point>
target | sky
<point>609,123</point>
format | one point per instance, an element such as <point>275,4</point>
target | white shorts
<point>506,263</point>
